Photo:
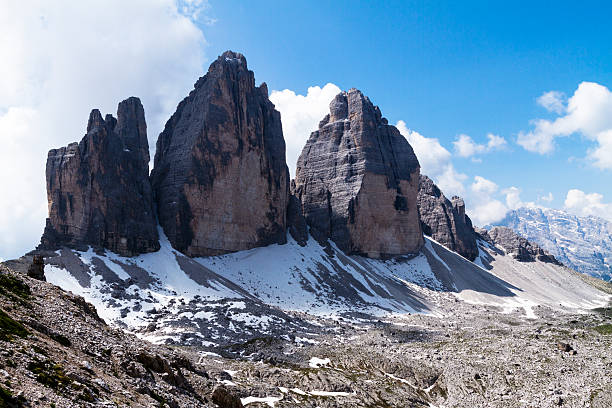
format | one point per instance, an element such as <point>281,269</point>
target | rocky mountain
<point>517,246</point>
<point>220,177</point>
<point>446,221</point>
<point>309,325</point>
<point>98,190</point>
<point>357,179</point>
<point>253,291</point>
<point>582,243</point>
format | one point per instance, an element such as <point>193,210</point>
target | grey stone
<point>521,249</point>
<point>220,178</point>
<point>357,179</point>
<point>98,190</point>
<point>446,221</point>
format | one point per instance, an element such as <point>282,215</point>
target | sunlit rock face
<point>357,179</point>
<point>98,190</point>
<point>220,178</point>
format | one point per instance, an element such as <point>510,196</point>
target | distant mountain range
<point>582,243</point>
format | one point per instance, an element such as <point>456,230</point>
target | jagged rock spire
<point>98,190</point>
<point>446,221</point>
<point>357,180</point>
<point>220,178</point>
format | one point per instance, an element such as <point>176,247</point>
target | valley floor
<point>56,352</point>
<point>472,358</point>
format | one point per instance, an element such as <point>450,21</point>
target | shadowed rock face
<point>220,179</point>
<point>296,223</point>
<point>446,221</point>
<point>521,249</point>
<point>357,180</point>
<point>98,190</point>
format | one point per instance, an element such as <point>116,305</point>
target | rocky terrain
<point>98,190</point>
<point>356,284</point>
<point>220,177</point>
<point>357,179</point>
<point>58,352</point>
<point>514,244</point>
<point>582,243</point>
<point>445,220</point>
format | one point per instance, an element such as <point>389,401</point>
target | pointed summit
<point>445,220</point>
<point>357,180</point>
<point>98,190</point>
<point>220,177</point>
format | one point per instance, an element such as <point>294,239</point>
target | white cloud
<point>513,199</point>
<point>301,116</point>
<point>588,112</point>
<point>435,161</point>
<point>601,155</point>
<point>583,204</point>
<point>488,212</point>
<point>465,146</point>
<point>482,185</point>
<point>488,207</point>
<point>485,208</point>
<point>547,198</point>
<point>552,101</point>
<point>61,60</point>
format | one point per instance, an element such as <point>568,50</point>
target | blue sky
<point>444,72</point>
<point>445,68</point>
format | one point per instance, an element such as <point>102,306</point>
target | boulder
<point>220,178</point>
<point>445,220</point>
<point>98,190</point>
<point>224,398</point>
<point>357,180</point>
<point>36,269</point>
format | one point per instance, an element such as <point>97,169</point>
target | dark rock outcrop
<point>296,223</point>
<point>446,221</point>
<point>225,399</point>
<point>220,179</point>
<point>99,191</point>
<point>36,269</point>
<point>515,245</point>
<point>357,179</point>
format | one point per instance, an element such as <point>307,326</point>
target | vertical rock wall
<point>220,178</point>
<point>98,190</point>
<point>357,179</point>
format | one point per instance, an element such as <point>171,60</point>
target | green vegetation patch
<point>604,329</point>
<point>50,374</point>
<point>9,284</point>
<point>8,401</point>
<point>10,328</point>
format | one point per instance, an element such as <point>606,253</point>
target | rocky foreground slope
<point>582,243</point>
<point>56,351</point>
<point>323,292</point>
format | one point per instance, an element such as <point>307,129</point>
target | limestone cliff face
<point>220,178</point>
<point>357,179</point>
<point>520,248</point>
<point>445,220</point>
<point>98,190</point>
